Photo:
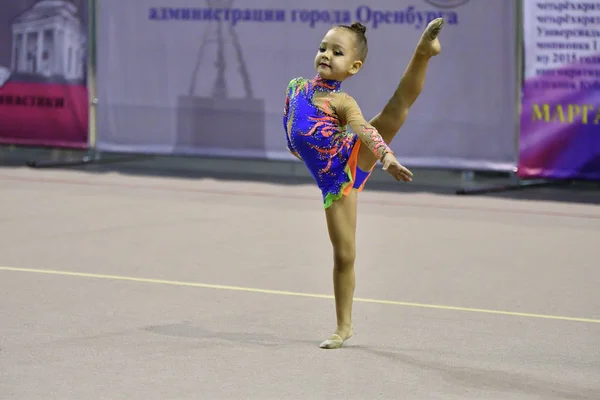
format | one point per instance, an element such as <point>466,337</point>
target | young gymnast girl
<point>316,115</point>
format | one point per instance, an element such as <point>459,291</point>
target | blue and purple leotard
<point>316,115</point>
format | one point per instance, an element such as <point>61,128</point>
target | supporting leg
<point>341,224</point>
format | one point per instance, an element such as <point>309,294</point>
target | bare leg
<point>393,115</point>
<point>341,223</point>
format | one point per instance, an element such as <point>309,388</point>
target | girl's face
<point>336,58</point>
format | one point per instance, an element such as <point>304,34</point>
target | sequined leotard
<point>315,117</point>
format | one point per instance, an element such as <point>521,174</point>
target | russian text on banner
<point>560,120</point>
<point>43,88</point>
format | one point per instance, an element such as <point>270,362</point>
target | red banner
<point>43,85</point>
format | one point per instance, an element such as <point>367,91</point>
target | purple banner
<point>560,119</point>
<point>208,77</point>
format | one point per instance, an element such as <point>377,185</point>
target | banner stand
<point>519,184</point>
<point>92,156</point>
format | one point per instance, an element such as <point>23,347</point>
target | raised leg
<point>341,224</point>
<point>393,115</point>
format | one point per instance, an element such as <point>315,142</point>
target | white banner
<point>184,78</point>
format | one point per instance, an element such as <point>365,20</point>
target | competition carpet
<point>123,287</point>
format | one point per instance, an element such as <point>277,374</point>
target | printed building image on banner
<point>43,92</point>
<point>208,77</point>
<point>560,119</point>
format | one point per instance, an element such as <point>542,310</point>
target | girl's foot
<point>338,339</point>
<point>429,45</point>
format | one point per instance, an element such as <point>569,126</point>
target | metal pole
<point>91,78</point>
<point>520,64</point>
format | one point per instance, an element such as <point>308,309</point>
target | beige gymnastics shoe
<point>335,341</point>
<point>429,43</point>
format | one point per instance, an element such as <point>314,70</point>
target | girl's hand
<point>394,168</point>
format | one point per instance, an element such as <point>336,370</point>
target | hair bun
<point>357,26</point>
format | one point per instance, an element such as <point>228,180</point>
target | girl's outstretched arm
<point>349,112</point>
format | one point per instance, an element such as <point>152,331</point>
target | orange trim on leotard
<point>353,166</point>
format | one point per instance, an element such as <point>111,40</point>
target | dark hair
<point>359,30</point>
